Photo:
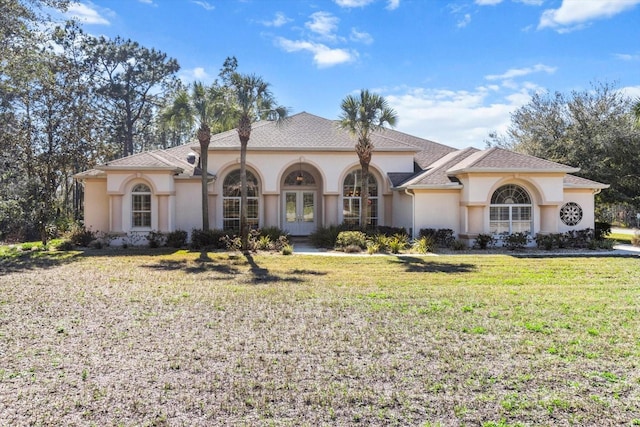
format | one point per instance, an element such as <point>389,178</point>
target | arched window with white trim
<point>351,190</point>
<point>141,206</point>
<point>510,210</point>
<point>231,196</point>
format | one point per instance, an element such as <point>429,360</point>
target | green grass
<point>141,337</point>
<point>622,238</point>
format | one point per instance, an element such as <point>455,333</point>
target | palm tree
<point>207,107</point>
<point>254,102</point>
<point>362,116</point>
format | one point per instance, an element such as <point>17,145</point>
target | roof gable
<point>436,174</point>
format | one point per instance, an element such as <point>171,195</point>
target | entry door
<point>300,212</point>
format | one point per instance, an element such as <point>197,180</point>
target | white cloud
<point>86,14</point>
<point>279,20</point>
<point>520,72</point>
<point>323,24</point>
<point>488,2</point>
<point>354,3</point>
<point>393,4</point>
<point>362,37</point>
<point>575,14</point>
<point>466,19</point>
<point>627,56</point>
<point>323,56</point>
<point>205,5</point>
<point>457,118</point>
<point>195,74</point>
<point>632,92</point>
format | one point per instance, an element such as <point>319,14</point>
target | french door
<point>299,212</point>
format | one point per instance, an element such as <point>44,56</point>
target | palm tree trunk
<point>204,163</point>
<point>244,226</point>
<point>364,195</point>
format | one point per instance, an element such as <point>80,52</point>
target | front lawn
<point>139,337</point>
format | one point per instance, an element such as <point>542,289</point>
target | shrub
<point>79,235</point>
<point>373,248</point>
<point>176,239</point>
<point>386,231</point>
<point>444,237</point>
<point>351,238</point>
<point>398,242</point>
<point>264,243</point>
<point>352,249</point>
<point>325,237</point>
<point>202,239</point>
<point>545,241</point>
<point>516,240</point>
<point>232,243</point>
<point>156,239</point>
<point>287,250</point>
<point>458,245</point>
<point>273,233</point>
<point>484,241</point>
<point>424,244</point>
<point>380,242</point>
<point>635,239</point>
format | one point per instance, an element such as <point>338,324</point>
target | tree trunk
<point>364,195</point>
<point>244,226</point>
<point>204,163</point>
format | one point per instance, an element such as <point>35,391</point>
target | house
<point>305,173</point>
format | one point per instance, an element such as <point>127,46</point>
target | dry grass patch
<point>161,338</point>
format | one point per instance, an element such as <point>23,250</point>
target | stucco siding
<point>437,209</point>
<point>584,198</point>
<point>96,205</point>
<point>188,203</point>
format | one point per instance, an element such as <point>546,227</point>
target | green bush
<point>484,241</point>
<point>272,233</point>
<point>156,239</point>
<point>177,239</point>
<point>79,235</point>
<point>351,238</point>
<point>398,243</point>
<point>602,230</point>
<point>444,237</point>
<point>424,244</point>
<point>516,240</point>
<point>325,237</point>
<point>207,239</point>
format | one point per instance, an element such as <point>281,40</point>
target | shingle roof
<point>499,159</point>
<point>304,131</point>
<point>436,174</point>
<point>578,182</point>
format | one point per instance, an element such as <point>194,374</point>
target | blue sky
<point>453,70</point>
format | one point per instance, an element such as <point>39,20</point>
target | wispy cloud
<point>323,56</point>
<point>520,72</point>
<point>627,56</point>
<point>323,24</point>
<point>86,13</point>
<point>279,20</point>
<point>576,14</point>
<point>195,74</point>
<point>203,4</point>
<point>360,36</point>
<point>354,3</point>
<point>488,2</point>
<point>393,4</point>
<point>464,21</point>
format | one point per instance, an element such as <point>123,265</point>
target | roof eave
<point>510,170</point>
<point>452,186</point>
<point>595,185</point>
<point>140,168</point>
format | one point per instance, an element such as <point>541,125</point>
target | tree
<point>594,130</point>
<point>132,81</point>
<point>206,107</point>
<point>362,116</point>
<point>254,101</point>
<point>636,111</point>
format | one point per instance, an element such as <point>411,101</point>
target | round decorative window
<point>571,213</point>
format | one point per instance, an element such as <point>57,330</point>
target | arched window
<point>141,205</point>
<point>351,190</point>
<point>510,210</point>
<point>231,193</point>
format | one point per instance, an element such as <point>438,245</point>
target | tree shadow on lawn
<point>262,275</point>
<point>421,265</point>
<point>37,260</point>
